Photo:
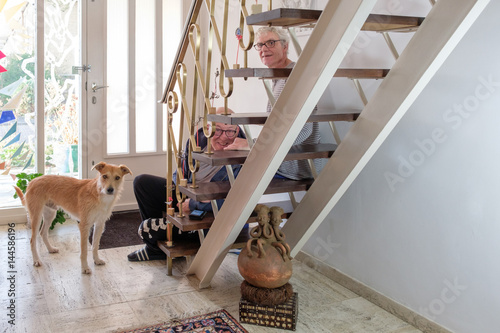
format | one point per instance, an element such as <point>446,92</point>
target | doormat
<point>121,230</point>
<point>219,321</point>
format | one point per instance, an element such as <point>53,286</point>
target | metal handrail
<point>174,95</point>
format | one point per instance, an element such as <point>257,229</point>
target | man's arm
<point>190,205</point>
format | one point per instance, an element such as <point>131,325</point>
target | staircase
<point>335,28</point>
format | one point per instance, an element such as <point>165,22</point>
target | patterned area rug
<point>219,321</point>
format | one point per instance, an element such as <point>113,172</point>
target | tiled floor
<point>123,295</point>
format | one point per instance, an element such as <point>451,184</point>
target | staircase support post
<point>390,44</point>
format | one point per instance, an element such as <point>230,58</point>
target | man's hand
<point>238,144</point>
<point>185,206</point>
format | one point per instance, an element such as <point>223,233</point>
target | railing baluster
<point>201,79</point>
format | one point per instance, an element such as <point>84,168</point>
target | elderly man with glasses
<point>272,45</point>
<point>150,192</point>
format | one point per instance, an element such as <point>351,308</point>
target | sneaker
<point>145,255</point>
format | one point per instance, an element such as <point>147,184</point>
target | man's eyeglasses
<point>269,44</point>
<point>229,133</point>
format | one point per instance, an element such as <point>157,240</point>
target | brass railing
<point>199,77</point>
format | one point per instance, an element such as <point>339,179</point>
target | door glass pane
<point>171,38</point>
<point>145,72</point>
<point>117,109</point>
<point>17,108</point>
<point>62,87</point>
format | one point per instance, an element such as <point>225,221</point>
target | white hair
<point>282,33</point>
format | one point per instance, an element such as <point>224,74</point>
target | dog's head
<point>111,176</point>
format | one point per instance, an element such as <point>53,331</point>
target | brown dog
<point>90,201</point>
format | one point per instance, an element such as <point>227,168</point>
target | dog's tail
<point>20,194</point>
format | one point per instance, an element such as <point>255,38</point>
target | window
<point>57,141</point>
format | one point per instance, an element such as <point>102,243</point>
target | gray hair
<point>282,33</point>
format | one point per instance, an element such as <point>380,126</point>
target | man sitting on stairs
<point>150,192</point>
<point>272,45</point>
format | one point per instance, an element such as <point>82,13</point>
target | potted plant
<point>23,180</point>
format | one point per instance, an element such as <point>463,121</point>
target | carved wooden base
<point>266,296</point>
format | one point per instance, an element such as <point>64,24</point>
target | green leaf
<point>22,175</point>
<point>60,218</point>
<point>34,175</point>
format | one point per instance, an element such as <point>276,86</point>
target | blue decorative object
<point>11,131</point>
<point>29,162</point>
<point>7,116</point>
<point>18,151</point>
<point>16,138</point>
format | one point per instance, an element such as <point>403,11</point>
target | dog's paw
<point>99,261</point>
<point>37,263</point>
<point>53,250</point>
<point>86,270</point>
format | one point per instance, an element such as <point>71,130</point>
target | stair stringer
<point>330,40</point>
<point>441,31</point>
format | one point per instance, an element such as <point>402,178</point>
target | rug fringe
<point>189,314</point>
<point>178,319</point>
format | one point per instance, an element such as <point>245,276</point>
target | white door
<point>123,122</point>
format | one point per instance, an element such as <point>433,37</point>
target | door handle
<point>95,87</point>
<point>83,68</point>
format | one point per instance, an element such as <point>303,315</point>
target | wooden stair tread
<point>290,17</point>
<point>185,224</point>
<point>298,152</point>
<point>180,249</point>
<point>281,73</point>
<point>191,247</point>
<point>285,17</point>
<point>219,190</point>
<point>260,118</point>
<point>380,22</point>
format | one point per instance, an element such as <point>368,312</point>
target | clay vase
<point>269,271</point>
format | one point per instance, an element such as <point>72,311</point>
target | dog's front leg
<point>84,240</point>
<point>98,230</point>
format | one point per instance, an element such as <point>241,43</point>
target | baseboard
<point>13,215</point>
<point>371,295</point>
<point>125,207</point>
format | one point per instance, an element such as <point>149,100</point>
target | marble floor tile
<point>96,319</point>
<point>122,295</point>
<point>34,324</point>
<point>355,315</point>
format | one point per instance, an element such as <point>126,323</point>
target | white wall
<point>429,236</point>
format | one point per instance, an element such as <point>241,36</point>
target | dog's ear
<point>125,169</point>
<point>99,166</point>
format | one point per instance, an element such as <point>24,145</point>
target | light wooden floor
<point>123,295</point>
